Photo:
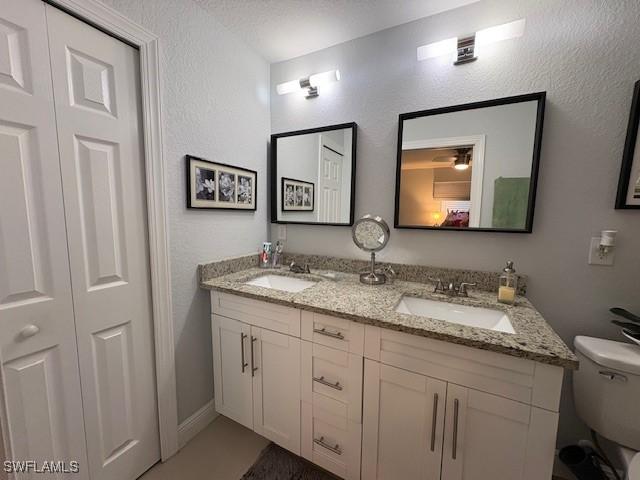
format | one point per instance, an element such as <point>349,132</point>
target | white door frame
<point>477,173</point>
<point>111,21</point>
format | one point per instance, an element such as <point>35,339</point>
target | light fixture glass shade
<point>324,78</point>
<point>437,49</point>
<point>462,162</point>
<point>500,32</point>
<point>288,87</point>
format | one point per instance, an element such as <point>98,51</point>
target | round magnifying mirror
<point>371,234</point>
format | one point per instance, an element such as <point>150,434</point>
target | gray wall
<point>576,50</point>
<point>215,105</point>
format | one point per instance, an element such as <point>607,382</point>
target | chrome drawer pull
<point>243,363</point>
<point>324,331</point>
<point>253,368</point>
<point>321,380</point>
<point>454,451</point>
<point>434,420</point>
<point>320,441</point>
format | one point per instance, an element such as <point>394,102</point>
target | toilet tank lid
<point>608,353</point>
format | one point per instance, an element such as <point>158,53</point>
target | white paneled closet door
<point>97,101</point>
<point>41,384</point>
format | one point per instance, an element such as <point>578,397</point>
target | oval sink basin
<point>280,282</point>
<point>461,314</point>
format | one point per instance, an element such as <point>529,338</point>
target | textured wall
<point>576,50</point>
<point>216,106</point>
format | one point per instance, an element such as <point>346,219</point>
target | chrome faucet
<point>295,268</point>
<point>390,273</point>
<point>451,288</point>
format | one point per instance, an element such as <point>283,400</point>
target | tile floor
<point>223,451</point>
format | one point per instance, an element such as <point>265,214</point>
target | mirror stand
<point>371,234</point>
<point>371,277</point>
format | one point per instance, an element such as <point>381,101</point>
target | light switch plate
<point>594,254</point>
<point>282,232</point>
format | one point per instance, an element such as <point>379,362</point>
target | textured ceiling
<point>284,29</point>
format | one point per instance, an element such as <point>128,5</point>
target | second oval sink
<point>478,317</point>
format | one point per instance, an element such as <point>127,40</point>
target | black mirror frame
<point>274,172</point>
<point>540,97</point>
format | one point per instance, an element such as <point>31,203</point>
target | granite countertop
<point>344,296</point>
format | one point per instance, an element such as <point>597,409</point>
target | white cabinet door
<point>487,436</point>
<point>275,364</point>
<point>41,382</point>
<point>232,370</point>
<point>96,83</point>
<point>403,419</point>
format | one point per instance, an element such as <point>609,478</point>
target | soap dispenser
<point>508,285</point>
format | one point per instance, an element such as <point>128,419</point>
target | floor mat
<point>276,463</point>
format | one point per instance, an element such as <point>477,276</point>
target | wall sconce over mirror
<point>465,48</point>
<point>308,85</point>
<point>470,167</point>
<point>313,175</point>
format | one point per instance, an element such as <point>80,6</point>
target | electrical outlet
<point>598,258</point>
<point>282,232</point>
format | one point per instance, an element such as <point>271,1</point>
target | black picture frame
<point>303,184</point>
<point>628,159</point>
<point>274,172</point>
<point>540,97</point>
<point>215,202</point>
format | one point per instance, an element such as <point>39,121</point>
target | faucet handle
<point>389,272</point>
<point>462,289</point>
<point>439,286</point>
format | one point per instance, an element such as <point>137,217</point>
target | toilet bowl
<point>606,391</point>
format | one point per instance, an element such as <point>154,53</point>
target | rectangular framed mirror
<point>471,167</point>
<point>313,175</point>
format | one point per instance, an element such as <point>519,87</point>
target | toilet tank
<point>606,389</point>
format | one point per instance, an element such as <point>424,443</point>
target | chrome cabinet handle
<point>321,380</point>
<point>243,363</point>
<point>253,369</point>
<point>324,331</point>
<point>320,441</point>
<point>456,406</point>
<point>613,375</point>
<point>29,331</point>
<point>433,422</point>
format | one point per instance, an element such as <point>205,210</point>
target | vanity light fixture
<point>308,85</point>
<point>465,47</point>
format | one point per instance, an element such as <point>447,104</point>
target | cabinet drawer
<point>254,312</point>
<point>519,379</point>
<point>331,441</point>
<point>333,332</point>
<point>332,380</point>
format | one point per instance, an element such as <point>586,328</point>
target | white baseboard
<point>196,423</point>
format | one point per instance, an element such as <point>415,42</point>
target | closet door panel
<point>97,100</point>
<point>39,378</point>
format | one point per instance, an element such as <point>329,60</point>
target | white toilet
<point>607,394</point>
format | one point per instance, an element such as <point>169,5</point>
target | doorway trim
<point>477,172</point>
<point>112,22</point>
